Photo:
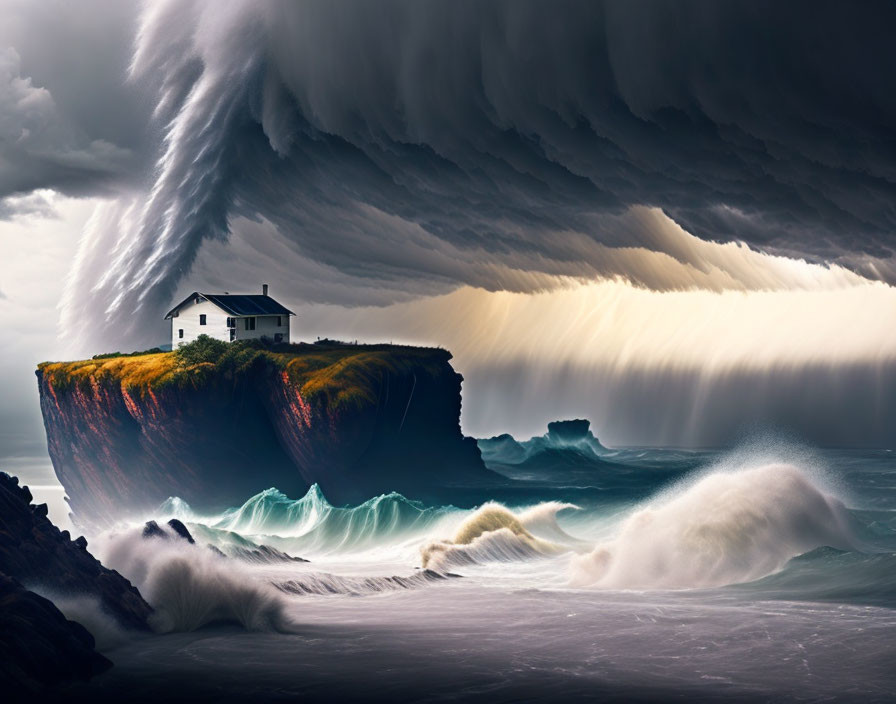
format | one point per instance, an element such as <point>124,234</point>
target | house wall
<point>265,326</point>
<point>187,320</point>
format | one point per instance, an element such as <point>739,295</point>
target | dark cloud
<point>68,119</point>
<point>394,142</point>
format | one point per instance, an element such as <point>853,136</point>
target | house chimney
<point>264,289</point>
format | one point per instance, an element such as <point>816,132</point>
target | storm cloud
<point>397,142</point>
<point>68,119</point>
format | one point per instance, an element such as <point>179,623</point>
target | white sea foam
<point>326,584</point>
<point>494,533</point>
<point>724,529</point>
<point>541,520</point>
<point>190,586</point>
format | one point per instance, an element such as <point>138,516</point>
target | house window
<point>202,319</point>
<point>249,323</point>
<point>231,322</point>
<point>279,321</point>
<point>180,333</point>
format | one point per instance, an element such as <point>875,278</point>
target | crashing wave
<point>311,524</point>
<point>190,586</point>
<point>724,529</point>
<point>564,437</point>
<point>495,534</point>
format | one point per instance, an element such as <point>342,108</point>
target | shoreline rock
<point>39,647</point>
<point>36,553</point>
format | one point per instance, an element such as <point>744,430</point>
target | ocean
<point>761,573</point>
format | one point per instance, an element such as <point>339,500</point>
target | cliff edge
<point>127,432</point>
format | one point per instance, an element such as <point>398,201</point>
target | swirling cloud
<point>428,145</point>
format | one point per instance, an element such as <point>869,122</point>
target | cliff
<point>36,553</point>
<point>125,433</point>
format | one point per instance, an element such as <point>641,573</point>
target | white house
<point>228,317</point>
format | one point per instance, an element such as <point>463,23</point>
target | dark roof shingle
<point>237,304</point>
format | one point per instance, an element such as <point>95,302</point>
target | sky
<point>675,219</point>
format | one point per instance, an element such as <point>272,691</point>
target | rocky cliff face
<point>39,647</point>
<point>36,553</point>
<point>126,433</point>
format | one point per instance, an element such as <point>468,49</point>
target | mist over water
<point>723,530</point>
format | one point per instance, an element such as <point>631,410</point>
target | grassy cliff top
<point>340,372</point>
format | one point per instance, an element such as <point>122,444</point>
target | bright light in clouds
<point>621,326</point>
<point>723,306</point>
<point>648,367</point>
<point>617,325</point>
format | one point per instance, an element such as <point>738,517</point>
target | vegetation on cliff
<point>340,374</point>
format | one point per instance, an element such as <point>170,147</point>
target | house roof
<point>237,304</point>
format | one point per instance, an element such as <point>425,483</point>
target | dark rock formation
<point>568,431</point>
<point>129,433</point>
<point>181,530</point>
<point>39,646</point>
<point>35,552</point>
<point>574,435</point>
<point>568,446</point>
<point>151,529</point>
<point>258,553</point>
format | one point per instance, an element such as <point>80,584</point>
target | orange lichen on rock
<point>340,376</point>
<point>351,376</point>
<point>142,371</point>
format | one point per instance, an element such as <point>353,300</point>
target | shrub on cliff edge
<point>202,349</point>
